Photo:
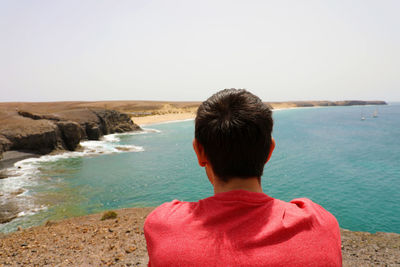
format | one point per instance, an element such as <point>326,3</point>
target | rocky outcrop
<point>5,145</point>
<point>40,136</point>
<point>115,122</point>
<point>43,133</point>
<point>71,134</point>
<point>37,116</point>
<point>95,123</point>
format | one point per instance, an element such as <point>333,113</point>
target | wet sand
<point>10,157</point>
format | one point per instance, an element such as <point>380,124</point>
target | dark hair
<point>234,127</point>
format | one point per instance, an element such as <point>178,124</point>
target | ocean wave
<point>26,174</point>
<point>149,130</point>
<point>115,138</point>
<point>32,211</point>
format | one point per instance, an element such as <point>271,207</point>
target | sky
<point>187,50</point>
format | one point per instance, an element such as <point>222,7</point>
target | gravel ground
<point>88,241</point>
<point>81,241</point>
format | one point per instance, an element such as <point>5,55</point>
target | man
<point>239,225</point>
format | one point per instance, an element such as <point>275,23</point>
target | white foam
<point>111,138</point>
<point>26,173</point>
<point>149,130</point>
<point>92,148</point>
<point>144,131</point>
<point>31,211</point>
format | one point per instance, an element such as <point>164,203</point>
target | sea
<point>349,165</point>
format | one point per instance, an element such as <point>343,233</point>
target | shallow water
<point>349,166</point>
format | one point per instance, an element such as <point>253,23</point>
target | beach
<point>170,117</point>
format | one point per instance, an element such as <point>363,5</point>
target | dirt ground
<point>88,241</point>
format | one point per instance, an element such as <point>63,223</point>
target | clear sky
<point>186,50</point>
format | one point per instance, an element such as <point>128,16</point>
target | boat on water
<point>375,114</point>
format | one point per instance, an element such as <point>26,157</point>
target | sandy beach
<point>152,119</point>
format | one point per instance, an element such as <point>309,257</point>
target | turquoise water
<point>349,166</point>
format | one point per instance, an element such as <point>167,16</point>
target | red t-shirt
<point>242,228</point>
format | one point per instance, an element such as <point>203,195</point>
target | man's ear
<point>271,149</point>
<point>201,155</point>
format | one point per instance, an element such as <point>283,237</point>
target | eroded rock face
<point>98,122</point>
<point>71,134</point>
<point>28,134</point>
<point>5,145</point>
<point>115,122</point>
<point>44,133</point>
<point>93,131</point>
<point>38,116</point>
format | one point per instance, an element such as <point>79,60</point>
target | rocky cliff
<point>44,133</point>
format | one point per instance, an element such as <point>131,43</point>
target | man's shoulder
<point>310,208</point>
<point>303,215</point>
<point>173,210</point>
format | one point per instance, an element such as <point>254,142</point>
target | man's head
<point>234,128</point>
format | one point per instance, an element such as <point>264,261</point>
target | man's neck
<point>252,184</point>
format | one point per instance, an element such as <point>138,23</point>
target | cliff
<point>63,130</point>
<point>89,241</point>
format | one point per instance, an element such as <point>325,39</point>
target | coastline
<point>88,240</point>
<point>11,157</point>
<point>359,248</point>
<point>175,117</point>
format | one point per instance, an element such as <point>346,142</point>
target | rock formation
<point>44,133</point>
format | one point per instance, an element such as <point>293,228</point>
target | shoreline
<point>183,116</point>
<point>12,156</point>
<point>163,118</point>
<point>177,117</point>
<point>87,240</point>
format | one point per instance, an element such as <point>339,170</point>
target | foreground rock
<point>63,130</point>
<point>82,241</point>
<point>88,241</point>
<point>366,249</point>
